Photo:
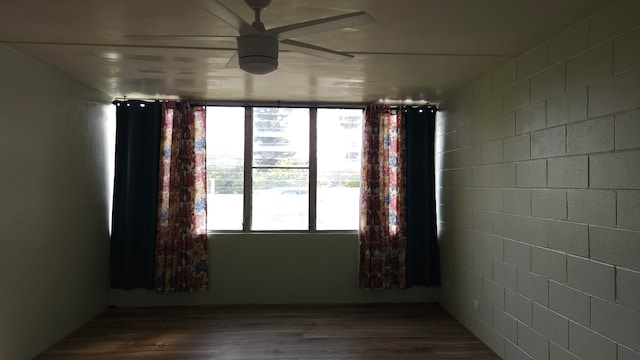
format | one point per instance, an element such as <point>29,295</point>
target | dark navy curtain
<point>135,199</point>
<point>423,259</point>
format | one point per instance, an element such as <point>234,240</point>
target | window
<point>274,168</point>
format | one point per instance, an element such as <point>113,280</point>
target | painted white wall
<point>279,269</point>
<point>539,197</point>
<point>53,205</point>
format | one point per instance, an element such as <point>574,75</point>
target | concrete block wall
<point>538,171</point>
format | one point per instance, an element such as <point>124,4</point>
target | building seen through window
<point>302,168</point>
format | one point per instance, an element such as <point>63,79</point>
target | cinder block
<point>590,67</point>
<point>589,345</point>
<point>616,322</point>
<point>518,254</point>
<point>483,221</point>
<point>551,204</point>
<point>532,61</point>
<point>517,96</point>
<point>476,282</point>
<point>534,287</point>
<point>492,247</point>
<point>506,325</point>
<point>556,352</point>
<point>569,302</point>
<point>460,178</point>
<point>570,42</point>
<point>619,170</point>
<point>505,75</point>
<point>479,265</point>
<point>465,136</point>
<point>595,207</point>
<point>482,87</point>
<point>548,143</point>
<point>551,325</point>
<point>548,84</point>
<point>592,277</point>
<point>517,148</point>
<point>469,156</point>
<point>626,52</point>
<point>494,340</point>
<point>482,176</point>
<point>492,199</point>
<point>504,125</point>
<point>517,202</point>
<point>505,274</point>
<point>613,20</point>
<point>519,306</point>
<point>591,136</point>
<point>503,175</point>
<point>567,108</point>
<point>442,119</point>
<point>463,217</point>
<point>618,94</point>
<point>569,172</point>
<point>492,152</point>
<point>498,127</point>
<point>493,293</point>
<point>486,311</point>
<point>533,342</point>
<point>624,353</point>
<point>492,106</point>
<point>628,288</point>
<point>627,131</point>
<point>549,263</point>
<point>439,161</point>
<point>449,159</point>
<point>617,247</point>
<point>530,230</point>
<point>471,197</point>
<point>569,237</point>
<point>513,352</point>
<point>449,140</point>
<point>531,174</point>
<point>531,118</point>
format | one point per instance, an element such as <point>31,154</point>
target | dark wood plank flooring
<point>389,331</point>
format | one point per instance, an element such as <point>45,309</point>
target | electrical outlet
<point>476,304</point>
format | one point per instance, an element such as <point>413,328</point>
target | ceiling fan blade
<point>181,37</point>
<point>225,14</point>
<point>313,50</point>
<point>233,62</point>
<point>321,25</point>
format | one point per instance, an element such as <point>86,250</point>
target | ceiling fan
<point>258,47</point>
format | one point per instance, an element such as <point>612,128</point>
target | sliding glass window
<point>283,169</point>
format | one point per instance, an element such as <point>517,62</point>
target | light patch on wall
<point>110,157</point>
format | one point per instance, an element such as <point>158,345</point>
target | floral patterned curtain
<point>382,237</point>
<point>181,247</point>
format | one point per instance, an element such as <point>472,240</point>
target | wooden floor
<point>401,331</point>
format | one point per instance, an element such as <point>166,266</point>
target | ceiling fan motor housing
<point>258,53</point>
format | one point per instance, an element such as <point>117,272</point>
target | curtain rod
<point>284,104</point>
<point>252,103</point>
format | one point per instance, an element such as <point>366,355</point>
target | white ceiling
<point>417,49</point>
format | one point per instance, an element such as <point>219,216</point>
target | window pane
<point>225,167</point>
<point>280,137</point>
<point>339,148</point>
<point>280,199</point>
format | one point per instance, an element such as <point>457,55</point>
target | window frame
<point>248,168</point>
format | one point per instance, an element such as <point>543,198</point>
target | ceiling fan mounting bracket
<point>258,4</point>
